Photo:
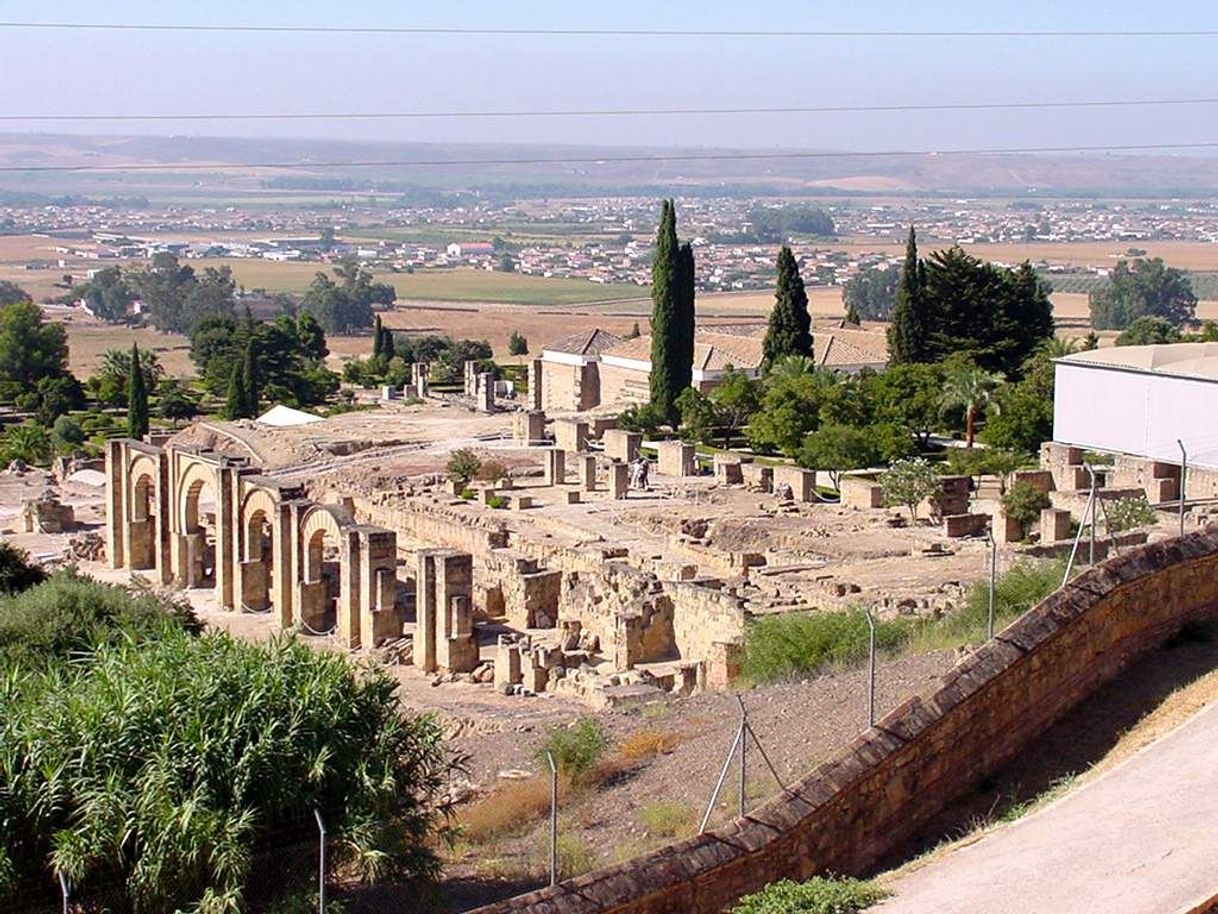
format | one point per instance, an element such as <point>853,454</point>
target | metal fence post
<point>993,581</point>
<point>727,766</point>
<point>66,888</point>
<point>1091,505</point>
<point>1183,473</point>
<point>553,818</point>
<point>321,863</point>
<point>870,667</point>
<point>744,728</point>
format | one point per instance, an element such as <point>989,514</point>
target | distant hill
<point>483,165</point>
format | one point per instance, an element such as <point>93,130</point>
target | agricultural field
<point>1186,255</point>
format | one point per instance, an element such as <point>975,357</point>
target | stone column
<point>555,467</point>
<point>587,471</point>
<point>377,577</point>
<point>484,401</point>
<point>425,612</point>
<point>621,444</point>
<point>349,605</point>
<point>619,480</point>
<point>116,503</point>
<point>535,382</point>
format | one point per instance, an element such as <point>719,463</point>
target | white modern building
<point>1140,401</point>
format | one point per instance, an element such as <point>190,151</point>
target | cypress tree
<point>388,349</point>
<point>790,325</point>
<point>665,319</point>
<point>249,383</point>
<point>909,332</point>
<point>378,339</point>
<point>137,398</point>
<point>684,336</point>
<point>236,403</point>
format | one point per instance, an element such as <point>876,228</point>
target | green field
<point>456,285</point>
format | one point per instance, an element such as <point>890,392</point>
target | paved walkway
<point>1140,839</point>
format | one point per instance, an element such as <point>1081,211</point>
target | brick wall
<point>871,796</point>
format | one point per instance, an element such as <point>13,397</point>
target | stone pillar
<point>116,503</point>
<point>801,481</point>
<point>507,664</point>
<point>621,444</point>
<point>1054,525</point>
<point>350,556</point>
<point>619,480</point>
<point>728,470</point>
<point>571,435</point>
<point>377,586</point>
<point>587,471</point>
<point>758,476</point>
<point>535,427</point>
<point>555,467</point>
<point>676,458</point>
<point>484,399</point>
<point>471,378</point>
<point>443,636</point>
<point>228,500</point>
<point>535,382</point>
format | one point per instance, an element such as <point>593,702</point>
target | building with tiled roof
<point>568,371</point>
<point>595,368</point>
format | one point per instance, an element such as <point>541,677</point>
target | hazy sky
<point>73,72</point>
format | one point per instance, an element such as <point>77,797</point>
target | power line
<point>615,112</point>
<point>611,159</point>
<point>623,33</point>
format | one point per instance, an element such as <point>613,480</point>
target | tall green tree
<point>249,380</point>
<point>665,316</point>
<point>684,335</point>
<point>137,398</point>
<point>236,403</point>
<point>790,325</point>
<point>1143,288</point>
<point>31,348</point>
<point>908,335</point>
<point>378,338</point>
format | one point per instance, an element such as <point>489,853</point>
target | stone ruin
<point>45,514</point>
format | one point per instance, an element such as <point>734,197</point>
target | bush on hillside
<point>68,614</point>
<point>801,644</point>
<point>821,895</point>
<point>163,765</point>
<point>17,572</point>
<point>576,749</point>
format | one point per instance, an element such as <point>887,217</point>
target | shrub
<point>17,573</point>
<point>463,465</point>
<point>799,644</point>
<point>907,482</point>
<point>646,419</point>
<point>576,749</point>
<point>517,344</point>
<point>1127,513</point>
<point>1024,502</point>
<point>491,471</point>
<point>575,857</point>
<point>69,614</point>
<point>642,745</point>
<point>668,819</point>
<point>67,433</point>
<point>164,765</point>
<point>1016,591</point>
<point>821,895</point>
<point>496,502</point>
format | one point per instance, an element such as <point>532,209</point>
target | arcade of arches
<point>193,518</point>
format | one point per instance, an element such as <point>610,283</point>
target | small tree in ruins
<point>907,482</point>
<point>463,466</point>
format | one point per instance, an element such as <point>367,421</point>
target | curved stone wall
<point>870,797</point>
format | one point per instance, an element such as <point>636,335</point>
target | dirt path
<point>1138,839</point>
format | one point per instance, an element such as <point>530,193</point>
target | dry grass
<point>511,809</point>
<point>644,745</point>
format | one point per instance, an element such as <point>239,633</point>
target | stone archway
<point>143,531</point>
<point>199,519</point>
<point>323,562</point>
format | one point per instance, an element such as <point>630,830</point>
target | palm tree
<point>792,366</point>
<point>1055,347</point>
<point>973,390</point>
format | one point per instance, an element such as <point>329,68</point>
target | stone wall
<point>458,527</point>
<point>867,800</point>
<point>624,386</point>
